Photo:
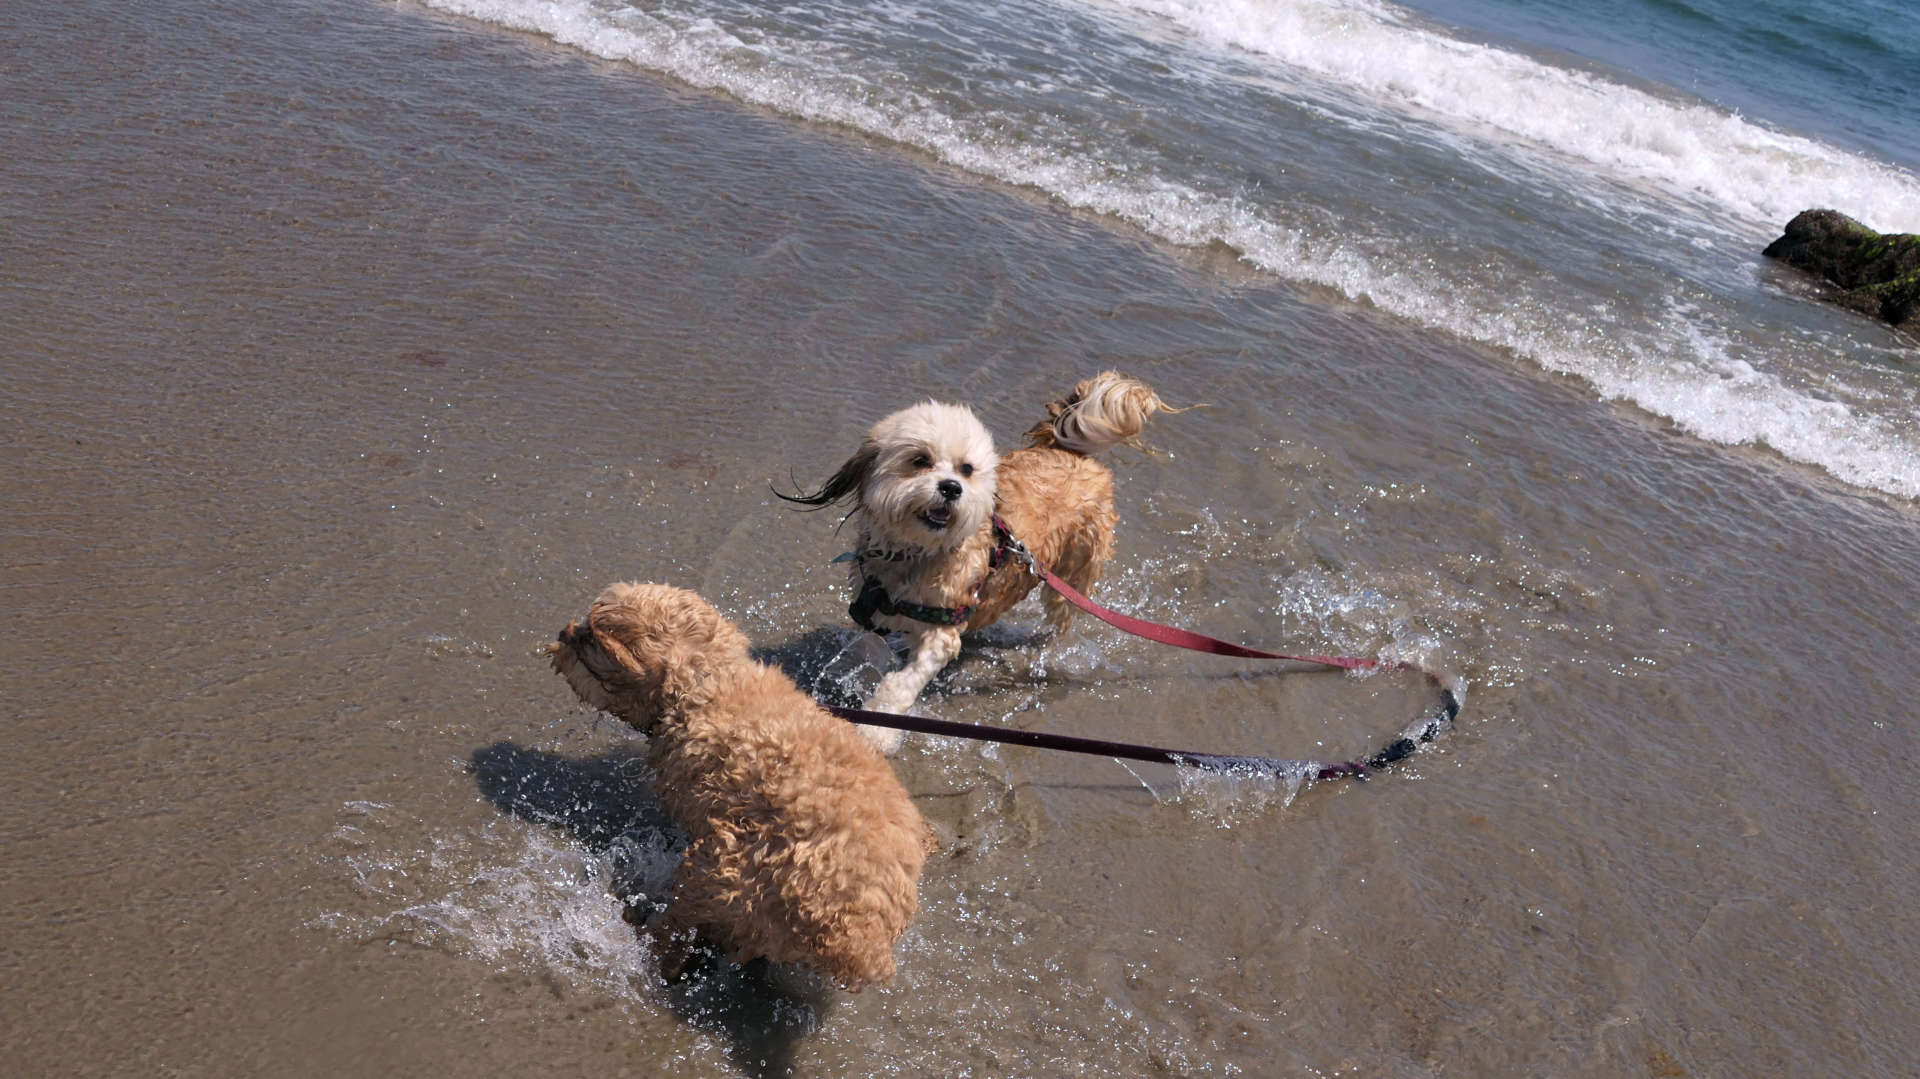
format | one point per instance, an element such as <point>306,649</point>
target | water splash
<point>511,897</point>
<point>1227,799</point>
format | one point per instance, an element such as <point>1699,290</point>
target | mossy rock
<point>1873,273</point>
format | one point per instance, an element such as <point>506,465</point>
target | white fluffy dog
<point>926,487</point>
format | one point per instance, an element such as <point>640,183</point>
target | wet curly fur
<point>803,847</point>
<point>924,486</point>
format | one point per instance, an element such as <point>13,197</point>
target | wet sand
<point>350,349</point>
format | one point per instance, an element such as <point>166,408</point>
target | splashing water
<point>509,896</point>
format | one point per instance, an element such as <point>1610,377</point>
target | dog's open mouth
<point>937,517</point>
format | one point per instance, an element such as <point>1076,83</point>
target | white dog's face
<point>930,481</point>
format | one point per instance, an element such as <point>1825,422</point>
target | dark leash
<point>1423,731</point>
<point>1420,732</point>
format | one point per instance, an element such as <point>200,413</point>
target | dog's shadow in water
<point>826,663</point>
<point>606,804</point>
<point>839,666</point>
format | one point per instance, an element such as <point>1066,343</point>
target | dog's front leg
<point>928,650</point>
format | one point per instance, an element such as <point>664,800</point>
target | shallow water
<point>351,349</point>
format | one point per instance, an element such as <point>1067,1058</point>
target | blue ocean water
<point>1579,191</point>
<point>1840,70</point>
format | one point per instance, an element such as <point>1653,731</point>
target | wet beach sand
<point>350,349</point>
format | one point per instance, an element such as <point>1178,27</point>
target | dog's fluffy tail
<point>1107,410</point>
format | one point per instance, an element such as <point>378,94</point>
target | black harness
<point>873,598</point>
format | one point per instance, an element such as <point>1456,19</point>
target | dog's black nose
<point>949,489</point>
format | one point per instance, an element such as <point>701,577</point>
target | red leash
<point>1422,731</point>
<point>1186,638</point>
<point>1173,635</point>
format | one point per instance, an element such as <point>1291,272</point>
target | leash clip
<point>1008,543</point>
<point>1020,553</point>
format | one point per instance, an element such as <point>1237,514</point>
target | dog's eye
<point>922,461</point>
<point>966,469</point>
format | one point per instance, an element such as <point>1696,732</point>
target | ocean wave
<point>1693,150</point>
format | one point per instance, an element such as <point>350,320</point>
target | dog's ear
<point>688,642</point>
<point>845,483</point>
<point>687,676</point>
<point>603,675</point>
